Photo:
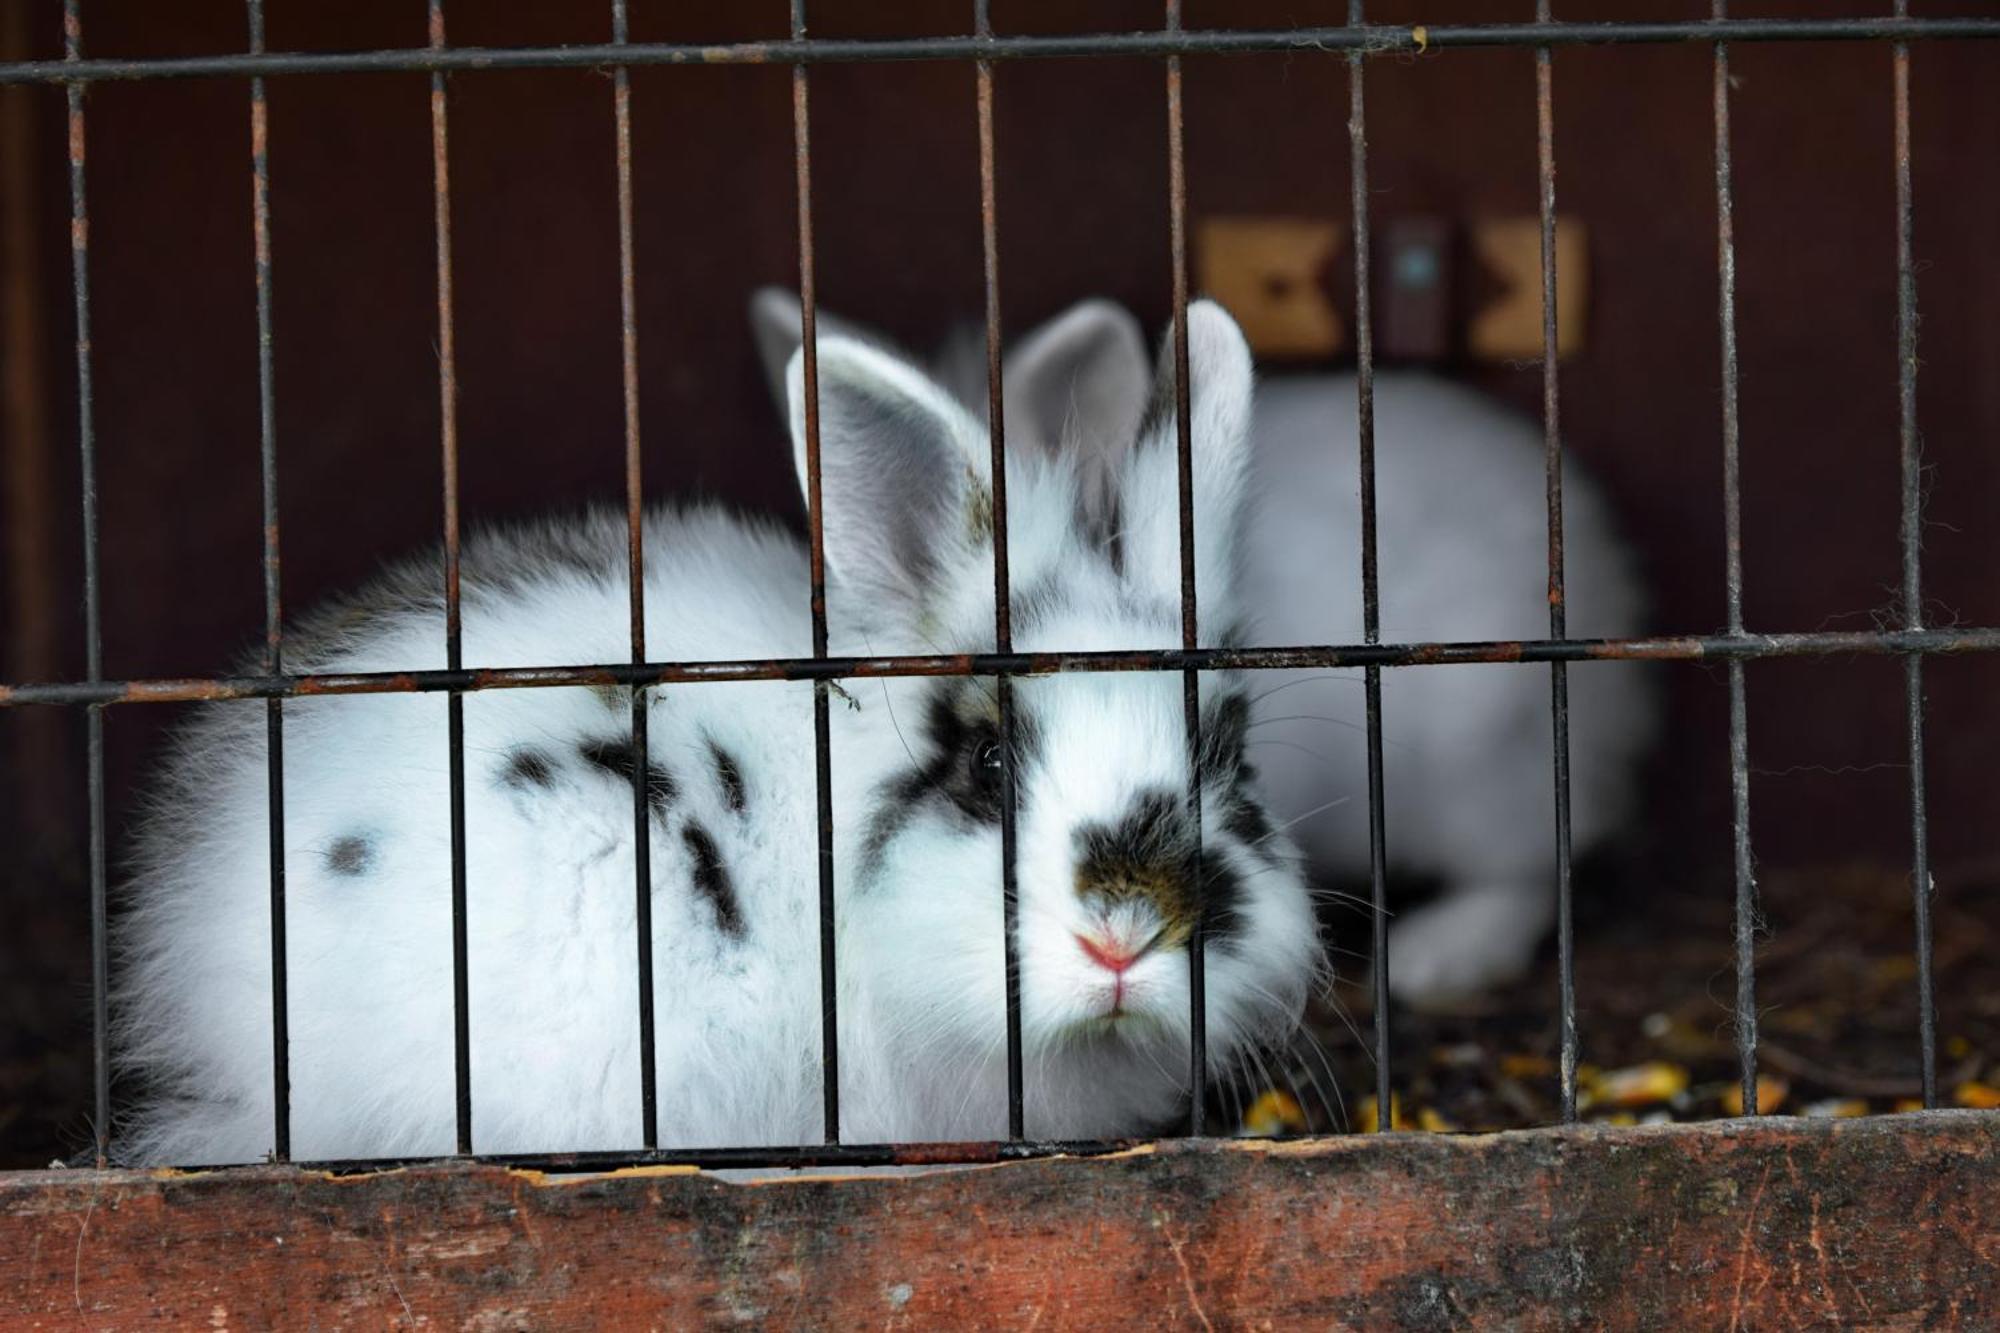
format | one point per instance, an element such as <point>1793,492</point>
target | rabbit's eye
<point>987,766</point>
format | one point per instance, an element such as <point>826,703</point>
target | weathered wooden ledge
<point>1889,1222</point>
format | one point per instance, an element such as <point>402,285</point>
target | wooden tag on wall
<point>1273,275</point>
<point>1507,325</point>
<point>1287,281</point>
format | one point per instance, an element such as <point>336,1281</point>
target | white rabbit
<point>1106,887</point>
<point>1462,543</point>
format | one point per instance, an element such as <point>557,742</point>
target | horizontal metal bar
<point>712,1159</point>
<point>1375,38</point>
<point>1683,648</point>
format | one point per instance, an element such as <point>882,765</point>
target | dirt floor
<point>1655,984</point>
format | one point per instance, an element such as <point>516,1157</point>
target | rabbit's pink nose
<point>1112,955</point>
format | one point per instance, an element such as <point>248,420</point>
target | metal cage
<point>1737,645</point>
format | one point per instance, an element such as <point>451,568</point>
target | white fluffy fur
<point>1462,548</point>
<point>1462,541</point>
<point>550,867</point>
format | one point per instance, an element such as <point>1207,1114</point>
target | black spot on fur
<point>528,767</point>
<point>1233,634</point>
<point>729,775</point>
<point>1150,853</point>
<point>899,800</point>
<point>1225,727</point>
<point>1248,823</point>
<point>955,747</point>
<point>1154,832</point>
<point>712,881</point>
<point>614,755</point>
<point>1108,527</point>
<point>1221,900</point>
<point>351,855</point>
<point>963,748</point>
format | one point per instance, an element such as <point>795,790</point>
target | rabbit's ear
<point>1080,383</point>
<point>903,478</point>
<point>1220,384</point>
<point>774,323</point>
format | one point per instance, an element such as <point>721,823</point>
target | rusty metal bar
<point>1364,38</point>
<point>1672,648</point>
<point>1545,154</point>
<point>983,1152</point>
<point>1732,510</point>
<point>635,526</point>
<point>274,627</point>
<point>1003,613</point>
<point>1190,622</point>
<point>1911,458</point>
<point>448,441</point>
<point>1371,598</point>
<point>815,522</point>
<point>93,620</point>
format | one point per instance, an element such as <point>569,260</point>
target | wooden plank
<point>1888,1222</point>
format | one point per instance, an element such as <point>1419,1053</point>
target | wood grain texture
<point>1886,1223</point>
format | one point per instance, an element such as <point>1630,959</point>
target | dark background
<point>1082,186</point>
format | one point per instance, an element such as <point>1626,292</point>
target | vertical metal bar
<point>1732,500</point>
<point>274,632</point>
<point>1003,618</point>
<point>93,635</point>
<point>1371,596</point>
<point>1913,583</point>
<point>448,442</point>
<point>1545,102</point>
<point>635,523</point>
<point>822,739</point>
<point>1190,633</point>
